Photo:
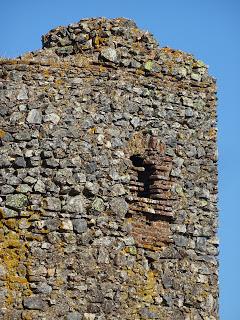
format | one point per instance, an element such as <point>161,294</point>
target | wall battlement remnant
<point>108,179</point>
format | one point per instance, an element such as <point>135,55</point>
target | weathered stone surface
<point>16,201</point>
<point>74,316</point>
<point>79,225</point>
<point>75,204</point>
<point>109,54</point>
<point>108,177</point>
<point>34,303</point>
<point>52,203</point>
<point>119,206</point>
<point>34,116</point>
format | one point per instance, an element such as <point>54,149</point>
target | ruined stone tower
<point>108,179</point>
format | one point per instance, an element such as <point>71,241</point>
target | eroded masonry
<point>108,179</point>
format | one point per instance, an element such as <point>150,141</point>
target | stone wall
<point>108,179</point>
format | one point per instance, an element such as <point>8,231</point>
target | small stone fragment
<point>98,205</point>
<point>7,213</point>
<point>23,94</point>
<point>52,117</point>
<point>34,303</point>
<point>89,316</point>
<point>66,225</point>
<point>34,116</point>
<point>79,225</point>
<point>74,316</point>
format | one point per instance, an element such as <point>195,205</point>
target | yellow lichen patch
<point>58,82</point>
<point>14,255</point>
<point>145,287</point>
<point>147,290</point>
<point>2,133</point>
<point>102,68</point>
<point>11,223</point>
<point>92,130</point>
<point>213,133</point>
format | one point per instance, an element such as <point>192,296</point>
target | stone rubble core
<point>108,179</point>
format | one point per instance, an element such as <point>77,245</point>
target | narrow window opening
<point>143,175</point>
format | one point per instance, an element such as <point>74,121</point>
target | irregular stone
<point>79,225</point>
<point>119,206</point>
<point>74,316</point>
<point>23,188</point>
<point>34,116</point>
<point>52,117</point>
<point>147,314</point>
<point>196,76</point>
<point>187,102</point>
<point>75,204</point>
<point>167,280</point>
<point>7,213</point>
<point>43,288</point>
<point>23,94</point>
<point>39,186</point>
<point>53,204</point>
<point>89,316</point>
<point>180,241</point>
<point>66,225</point>
<point>34,303</point>
<point>98,205</point>
<point>16,201</point>
<point>20,162</point>
<point>109,54</point>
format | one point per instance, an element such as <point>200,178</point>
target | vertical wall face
<point>108,179</point>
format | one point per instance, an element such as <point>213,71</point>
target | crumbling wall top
<point>93,34</point>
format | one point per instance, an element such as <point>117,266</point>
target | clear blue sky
<point>210,29</point>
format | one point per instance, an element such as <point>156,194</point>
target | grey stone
<point>119,206</point>
<point>20,162</point>
<point>89,316</point>
<point>74,316</point>
<point>51,163</point>
<point>65,50</point>
<point>79,225</point>
<point>189,112</point>
<point>180,241</point>
<point>196,76</point>
<point>167,280</point>
<point>16,201</point>
<point>53,204</point>
<point>43,288</point>
<point>34,303</point>
<point>147,314</point>
<point>168,300</point>
<point>75,204</point>
<point>52,117</point>
<point>187,102</point>
<point>23,94</point>
<point>39,186</point>
<point>98,205</point>
<point>23,188</point>
<point>34,116</point>
<point>91,188</point>
<point>109,54</point>
<point>135,122</point>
